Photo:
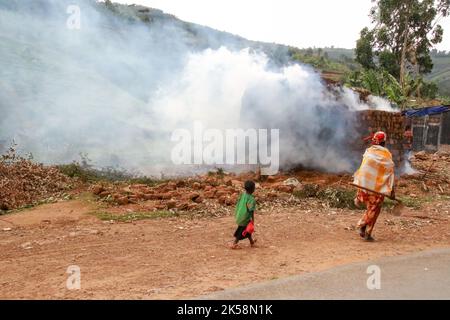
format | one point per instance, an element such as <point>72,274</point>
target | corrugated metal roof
<point>428,111</point>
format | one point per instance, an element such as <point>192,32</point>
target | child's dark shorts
<point>238,233</point>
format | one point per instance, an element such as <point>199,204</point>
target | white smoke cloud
<point>116,90</point>
<point>379,103</point>
<point>230,89</point>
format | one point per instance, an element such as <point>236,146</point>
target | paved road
<point>425,275</point>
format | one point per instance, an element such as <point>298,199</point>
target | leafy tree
<point>382,83</point>
<point>404,33</point>
<point>388,61</point>
<point>109,4</point>
<point>364,51</point>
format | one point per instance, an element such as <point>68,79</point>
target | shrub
<point>307,191</point>
<point>339,198</point>
<point>335,197</point>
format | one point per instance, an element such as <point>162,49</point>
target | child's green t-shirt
<point>244,209</point>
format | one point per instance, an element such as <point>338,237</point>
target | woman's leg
<point>373,211</point>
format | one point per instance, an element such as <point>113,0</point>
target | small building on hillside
<point>430,127</point>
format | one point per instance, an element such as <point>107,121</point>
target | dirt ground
<point>174,258</point>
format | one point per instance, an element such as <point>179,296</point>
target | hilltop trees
<point>364,50</point>
<point>400,43</point>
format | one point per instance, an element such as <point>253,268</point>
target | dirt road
<point>182,258</point>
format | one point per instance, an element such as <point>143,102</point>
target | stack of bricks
<point>371,121</point>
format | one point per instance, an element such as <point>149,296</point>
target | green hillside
<point>441,73</point>
<point>334,63</point>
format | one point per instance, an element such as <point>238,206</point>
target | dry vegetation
<point>24,182</point>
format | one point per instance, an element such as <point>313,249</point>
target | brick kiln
<point>393,123</point>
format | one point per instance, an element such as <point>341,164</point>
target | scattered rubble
<point>432,176</point>
<point>24,182</point>
<point>291,182</point>
<point>216,195</point>
<point>26,246</point>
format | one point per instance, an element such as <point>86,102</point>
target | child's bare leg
<point>252,241</point>
<point>235,244</point>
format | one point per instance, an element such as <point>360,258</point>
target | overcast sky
<point>301,23</point>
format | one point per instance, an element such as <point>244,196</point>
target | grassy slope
<point>441,74</point>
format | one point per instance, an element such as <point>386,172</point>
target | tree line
<point>395,54</point>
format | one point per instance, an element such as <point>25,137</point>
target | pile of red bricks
<point>192,193</point>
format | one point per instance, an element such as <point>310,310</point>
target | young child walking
<point>245,210</point>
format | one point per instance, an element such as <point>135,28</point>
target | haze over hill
<point>117,88</point>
